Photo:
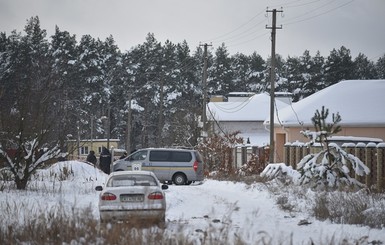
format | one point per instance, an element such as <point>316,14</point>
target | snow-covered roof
<point>255,108</point>
<point>359,103</point>
<point>241,94</point>
<point>255,139</point>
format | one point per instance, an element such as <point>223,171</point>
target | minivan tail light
<point>195,166</point>
<point>108,197</point>
<point>155,196</point>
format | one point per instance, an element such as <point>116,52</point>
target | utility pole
<point>128,140</point>
<point>108,125</point>
<point>272,80</point>
<point>160,118</point>
<point>204,88</point>
<point>92,131</point>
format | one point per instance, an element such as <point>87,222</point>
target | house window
<point>84,150</point>
<point>99,149</point>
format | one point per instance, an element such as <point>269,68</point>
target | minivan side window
<point>181,156</point>
<point>139,155</point>
<point>159,156</point>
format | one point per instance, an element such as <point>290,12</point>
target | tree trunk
<point>21,184</point>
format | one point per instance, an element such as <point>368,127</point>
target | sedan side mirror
<point>99,188</point>
<point>164,187</point>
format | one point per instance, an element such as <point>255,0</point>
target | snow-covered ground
<point>219,207</point>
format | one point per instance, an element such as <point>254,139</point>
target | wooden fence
<point>256,157</point>
<point>373,155</point>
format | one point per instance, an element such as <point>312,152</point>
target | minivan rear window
<point>170,156</point>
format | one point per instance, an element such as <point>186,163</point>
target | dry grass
<point>23,223</point>
<point>341,207</point>
<point>359,208</point>
<point>58,227</point>
<point>62,229</point>
<point>236,177</point>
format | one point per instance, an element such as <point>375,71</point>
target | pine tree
<point>380,67</point>
<point>310,69</point>
<point>168,91</point>
<point>338,66</point>
<point>330,167</point>
<point>221,73</point>
<point>241,67</point>
<point>293,74</point>
<point>148,71</point>
<point>63,53</point>
<point>316,72</point>
<point>363,68</point>
<point>89,89</point>
<point>110,68</point>
<point>257,78</point>
<point>190,105</point>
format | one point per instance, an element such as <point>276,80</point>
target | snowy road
<point>214,209</point>
<point>251,213</point>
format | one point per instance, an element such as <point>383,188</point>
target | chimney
<point>285,97</point>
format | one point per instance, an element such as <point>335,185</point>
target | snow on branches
<point>331,167</point>
<point>315,169</point>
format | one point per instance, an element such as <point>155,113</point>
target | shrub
<point>358,208</point>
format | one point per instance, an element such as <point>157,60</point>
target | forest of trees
<point>57,86</point>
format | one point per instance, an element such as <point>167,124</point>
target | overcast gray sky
<point>312,25</point>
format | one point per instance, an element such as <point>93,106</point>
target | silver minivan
<point>179,166</point>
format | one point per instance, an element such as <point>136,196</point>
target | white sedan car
<point>134,196</point>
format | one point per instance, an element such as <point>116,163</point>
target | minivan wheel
<point>179,179</point>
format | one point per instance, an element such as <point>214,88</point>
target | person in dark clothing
<point>91,158</point>
<point>105,160</point>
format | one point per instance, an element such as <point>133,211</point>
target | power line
<point>238,107</point>
<point>317,15</point>
<point>249,40</point>
<point>312,10</point>
<point>288,5</point>
<point>236,29</point>
<point>244,31</point>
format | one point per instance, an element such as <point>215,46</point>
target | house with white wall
<point>360,103</point>
<point>246,113</point>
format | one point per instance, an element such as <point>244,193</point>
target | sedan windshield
<point>131,180</point>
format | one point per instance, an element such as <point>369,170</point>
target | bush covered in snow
<point>331,167</point>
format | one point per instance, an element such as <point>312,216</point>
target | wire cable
<point>237,108</point>
<point>317,15</point>
<point>236,29</point>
